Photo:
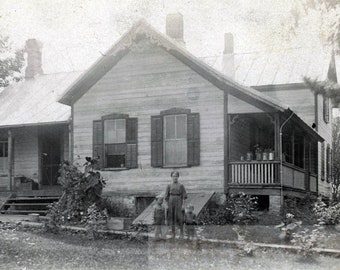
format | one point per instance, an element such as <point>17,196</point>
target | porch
<point>267,157</point>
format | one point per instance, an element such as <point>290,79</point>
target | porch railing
<point>254,172</point>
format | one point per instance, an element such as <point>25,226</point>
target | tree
<point>329,14</point>
<point>326,88</point>
<point>336,159</point>
<point>11,63</point>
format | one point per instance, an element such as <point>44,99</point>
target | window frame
<point>129,146</point>
<point>175,139</point>
<point>113,116</point>
<point>4,157</point>
<point>192,138</point>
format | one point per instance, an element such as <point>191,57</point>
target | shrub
<point>80,191</point>
<point>327,214</point>
<point>95,219</point>
<point>237,209</point>
<point>300,208</point>
<point>307,240</point>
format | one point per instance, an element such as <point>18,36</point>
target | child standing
<point>159,218</point>
<point>190,222</point>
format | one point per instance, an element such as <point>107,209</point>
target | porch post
<point>226,143</point>
<point>306,153</point>
<point>293,146</point>
<point>277,145</point>
<point>70,143</point>
<point>10,160</point>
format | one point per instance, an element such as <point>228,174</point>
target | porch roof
<point>34,101</point>
<point>309,130</point>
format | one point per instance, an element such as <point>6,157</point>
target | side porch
<point>271,155</point>
<point>30,158</point>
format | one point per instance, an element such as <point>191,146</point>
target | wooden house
<point>148,106</point>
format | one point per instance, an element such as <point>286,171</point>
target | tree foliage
<point>11,63</point>
<point>326,88</point>
<point>336,159</point>
<point>329,13</point>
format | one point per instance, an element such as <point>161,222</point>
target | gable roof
<point>285,66</point>
<point>143,30</point>
<point>35,101</point>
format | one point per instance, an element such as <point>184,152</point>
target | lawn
<point>26,249</point>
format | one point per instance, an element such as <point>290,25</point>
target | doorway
<point>50,141</point>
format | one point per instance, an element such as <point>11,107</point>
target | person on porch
<point>175,195</point>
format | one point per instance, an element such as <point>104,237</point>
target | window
<point>3,157</point>
<point>175,138</point>
<point>115,141</point>
<point>328,163</point>
<point>323,161</point>
<point>326,109</point>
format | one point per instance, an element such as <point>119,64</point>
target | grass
<point>266,234</point>
<point>33,249</point>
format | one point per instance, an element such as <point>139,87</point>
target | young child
<point>190,221</point>
<point>159,218</point>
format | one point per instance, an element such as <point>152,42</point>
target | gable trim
<point>142,30</point>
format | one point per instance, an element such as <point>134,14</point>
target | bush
<point>327,214</point>
<point>237,209</point>
<point>300,208</point>
<point>80,191</point>
<point>307,240</point>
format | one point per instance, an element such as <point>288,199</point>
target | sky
<point>74,33</point>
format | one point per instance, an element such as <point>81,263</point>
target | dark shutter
<point>157,141</point>
<point>193,139</point>
<point>97,151</point>
<point>131,142</point>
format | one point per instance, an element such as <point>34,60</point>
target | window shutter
<point>193,139</point>
<point>97,151</point>
<point>131,142</point>
<point>157,141</point>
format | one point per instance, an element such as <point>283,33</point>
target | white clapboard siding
<point>142,85</point>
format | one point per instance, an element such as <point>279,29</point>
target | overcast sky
<point>75,32</point>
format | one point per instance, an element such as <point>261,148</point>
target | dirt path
<point>36,250</point>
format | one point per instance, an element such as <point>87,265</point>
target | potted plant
<point>258,152</point>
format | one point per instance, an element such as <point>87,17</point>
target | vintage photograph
<point>158,134</point>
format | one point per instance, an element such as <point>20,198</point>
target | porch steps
<point>27,204</point>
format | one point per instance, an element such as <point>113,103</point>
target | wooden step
<point>33,198</point>
<point>23,204</point>
<point>23,211</point>
<point>40,192</point>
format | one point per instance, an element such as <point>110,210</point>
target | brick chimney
<point>33,50</point>
<point>174,27</point>
<point>228,62</point>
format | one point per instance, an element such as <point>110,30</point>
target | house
<point>34,126</point>
<point>148,106</point>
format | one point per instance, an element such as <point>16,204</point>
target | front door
<point>50,154</point>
